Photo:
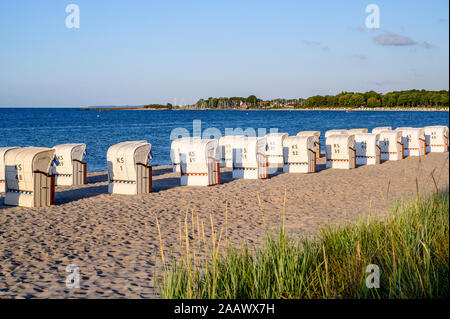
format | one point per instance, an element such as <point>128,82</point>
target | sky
<point>144,51</point>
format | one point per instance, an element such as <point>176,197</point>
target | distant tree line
<point>409,98</point>
<point>245,102</point>
<point>227,102</point>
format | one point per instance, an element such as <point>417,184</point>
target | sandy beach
<point>114,241</point>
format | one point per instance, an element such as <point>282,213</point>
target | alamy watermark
<point>215,133</point>
<point>73,19</point>
<point>373,19</point>
<point>73,279</point>
<point>373,280</point>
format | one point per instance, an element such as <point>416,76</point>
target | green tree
<point>331,100</point>
<point>373,102</point>
<point>357,100</point>
<point>252,100</point>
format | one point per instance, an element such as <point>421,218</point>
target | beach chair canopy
<point>226,144</point>
<point>296,148</point>
<point>123,157</point>
<point>175,148</point>
<point>247,149</point>
<point>377,130</point>
<point>434,135</point>
<point>21,163</point>
<point>275,143</point>
<point>339,146</point>
<point>65,155</point>
<point>315,134</point>
<point>335,132</point>
<point>196,154</point>
<point>3,151</point>
<point>357,131</point>
<point>366,144</point>
<point>403,128</point>
<point>413,137</point>
<point>389,140</point>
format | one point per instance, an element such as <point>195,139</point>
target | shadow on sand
<point>320,167</point>
<point>63,197</point>
<point>2,202</point>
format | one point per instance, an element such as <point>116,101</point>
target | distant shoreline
<point>380,109</point>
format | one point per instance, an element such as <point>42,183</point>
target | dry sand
<point>114,241</point>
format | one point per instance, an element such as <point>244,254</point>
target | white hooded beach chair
<point>391,145</point>
<point>335,132</point>
<point>368,151</point>
<point>3,151</point>
<point>357,131</point>
<point>199,162</point>
<point>70,168</point>
<point>249,158</point>
<point>128,170</point>
<point>340,151</point>
<point>28,182</point>
<point>299,155</point>
<point>413,140</point>
<point>226,144</point>
<point>175,151</point>
<point>275,149</point>
<point>377,130</point>
<point>316,135</point>
<point>436,138</point>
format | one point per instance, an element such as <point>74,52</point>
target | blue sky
<point>138,52</point>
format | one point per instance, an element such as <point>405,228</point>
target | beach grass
<point>410,248</point>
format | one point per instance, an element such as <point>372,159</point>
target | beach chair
<point>436,138</point>
<point>335,132</point>
<point>175,151</point>
<point>316,135</point>
<point>70,168</point>
<point>275,149</point>
<point>3,151</point>
<point>28,179</point>
<point>392,148</point>
<point>377,130</point>
<point>368,151</point>
<point>413,140</point>
<point>226,144</point>
<point>129,172</point>
<point>299,155</point>
<point>340,151</point>
<point>199,163</point>
<point>249,158</point>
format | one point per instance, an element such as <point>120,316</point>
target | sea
<point>99,130</point>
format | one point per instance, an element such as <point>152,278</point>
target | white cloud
<point>389,38</point>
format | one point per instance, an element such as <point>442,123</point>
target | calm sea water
<point>100,130</point>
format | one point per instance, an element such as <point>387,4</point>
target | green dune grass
<point>410,248</point>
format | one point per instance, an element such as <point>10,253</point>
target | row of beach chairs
<point>28,175</point>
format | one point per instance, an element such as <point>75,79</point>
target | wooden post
<point>84,173</point>
<point>150,179</point>
<point>218,173</point>
<point>52,189</point>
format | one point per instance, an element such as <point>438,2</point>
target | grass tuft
<point>410,248</point>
